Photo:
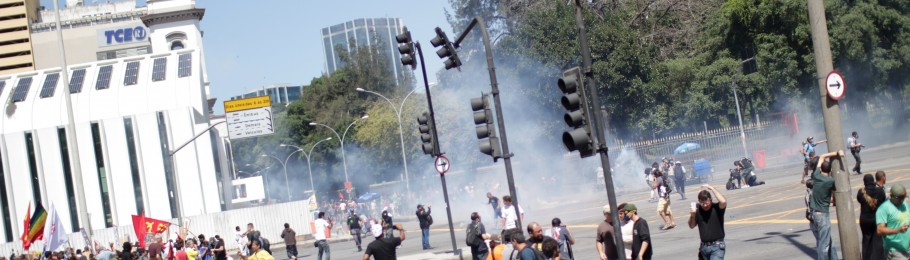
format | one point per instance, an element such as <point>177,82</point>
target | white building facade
<point>129,114</point>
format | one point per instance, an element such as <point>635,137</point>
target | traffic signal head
<point>425,127</point>
<point>574,101</point>
<point>406,49</point>
<point>483,118</point>
<point>447,51</point>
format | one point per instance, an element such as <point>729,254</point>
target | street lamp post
<point>284,164</point>
<point>398,111</point>
<point>742,132</point>
<point>341,141</point>
<point>308,164</point>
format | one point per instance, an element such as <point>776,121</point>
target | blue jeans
<point>712,252</point>
<point>824,247</point>
<point>425,233</point>
<point>323,249</point>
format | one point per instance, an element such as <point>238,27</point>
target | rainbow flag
<point>36,227</point>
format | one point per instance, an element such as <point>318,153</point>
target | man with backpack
<point>255,235</point>
<point>522,250</point>
<point>355,225</point>
<point>679,177</point>
<point>564,238</point>
<point>663,206</point>
<point>423,216</point>
<point>475,234</point>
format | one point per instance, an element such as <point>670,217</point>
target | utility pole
<point>846,222</point>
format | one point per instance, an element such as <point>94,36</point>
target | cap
<point>809,139</point>
<point>678,162</point>
<point>495,237</point>
<point>630,207</point>
<point>607,209</point>
<point>898,190</point>
<point>376,230</point>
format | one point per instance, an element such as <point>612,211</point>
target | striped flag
<point>54,236</point>
<point>36,224</point>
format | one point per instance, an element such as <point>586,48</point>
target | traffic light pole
<point>506,155</point>
<point>846,221</point>
<point>598,126</point>
<point>436,150</point>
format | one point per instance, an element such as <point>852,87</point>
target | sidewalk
<point>438,254</point>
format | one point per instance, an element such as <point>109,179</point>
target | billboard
<point>122,35</point>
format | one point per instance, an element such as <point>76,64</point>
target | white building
<point>129,113</point>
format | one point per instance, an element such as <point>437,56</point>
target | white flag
<point>54,236</point>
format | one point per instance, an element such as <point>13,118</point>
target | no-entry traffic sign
<point>442,164</point>
<point>835,85</point>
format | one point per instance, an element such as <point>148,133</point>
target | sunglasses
<point>901,197</point>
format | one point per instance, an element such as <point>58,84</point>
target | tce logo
<point>126,35</point>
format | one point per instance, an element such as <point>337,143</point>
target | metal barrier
<point>269,220</point>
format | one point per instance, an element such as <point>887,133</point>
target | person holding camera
<point>709,218</point>
<point>383,248</point>
<point>735,174</point>
<point>855,147</point>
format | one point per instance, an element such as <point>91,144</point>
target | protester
<point>423,218</point>
<point>522,250</point>
<point>709,217</point>
<point>663,206</point>
<point>563,237</point>
<point>870,198</point>
<point>551,249</point>
<point>496,247</point>
<point>855,147</point>
<point>626,228</point>
<point>218,248</point>
<point>642,246</point>
<point>383,248</point>
<point>387,224</point>
<point>679,175</point>
<point>126,254</point>
<point>320,235</point>
<point>475,236</point>
<point>508,213</point>
<point>497,210</point>
<point>257,253</point>
<point>822,191</point>
<point>535,236</point>
<point>891,220</point>
<point>154,249</point>
<point>880,179</point>
<point>807,151</point>
<point>606,244</point>
<point>240,239</point>
<point>290,241</point>
<point>355,225</point>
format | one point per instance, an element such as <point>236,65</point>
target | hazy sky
<point>249,44</point>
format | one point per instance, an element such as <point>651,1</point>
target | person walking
<point>709,218</point>
<point>870,198</point>
<point>855,146</point>
<point>424,219</point>
<point>822,191</point>
<point>508,213</point>
<point>891,221</point>
<point>475,235</point>
<point>355,225</point>
<point>626,229</point>
<point>383,248</point>
<point>605,242</point>
<point>642,246</point>
<point>663,205</point>
<point>679,178</point>
<point>321,226</point>
<point>290,241</point>
<point>563,236</point>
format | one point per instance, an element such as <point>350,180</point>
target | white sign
<point>442,164</point>
<point>250,123</point>
<point>835,85</point>
<point>122,35</point>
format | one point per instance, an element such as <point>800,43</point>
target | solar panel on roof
<point>159,69</point>
<point>104,77</point>
<point>132,74</point>
<point>21,90</point>
<point>50,84</point>
<point>184,66</point>
<point>76,81</point>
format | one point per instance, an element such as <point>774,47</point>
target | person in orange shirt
<point>496,247</point>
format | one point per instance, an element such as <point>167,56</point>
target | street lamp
<point>742,132</point>
<point>341,141</point>
<point>398,111</point>
<point>308,165</point>
<point>284,164</point>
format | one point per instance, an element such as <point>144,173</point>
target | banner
<point>143,225</point>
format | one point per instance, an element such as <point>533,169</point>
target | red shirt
<point>181,255</point>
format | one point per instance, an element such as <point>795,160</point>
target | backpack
<point>429,220</point>
<point>537,254</point>
<point>472,233</point>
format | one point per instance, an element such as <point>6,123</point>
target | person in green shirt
<point>892,219</point>
<point>822,191</point>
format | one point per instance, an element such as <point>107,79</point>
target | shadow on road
<point>809,251</point>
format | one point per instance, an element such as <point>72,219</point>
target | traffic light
<point>447,50</point>
<point>406,49</point>
<point>575,102</point>
<point>486,133</point>
<point>426,128</point>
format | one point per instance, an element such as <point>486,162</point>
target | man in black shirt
<point>423,217</point>
<point>497,210</point>
<point>218,248</point>
<point>354,224</point>
<point>642,248</point>
<point>383,248</point>
<point>709,217</point>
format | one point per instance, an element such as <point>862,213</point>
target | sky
<point>249,44</point>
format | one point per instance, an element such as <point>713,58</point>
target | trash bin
<point>758,157</point>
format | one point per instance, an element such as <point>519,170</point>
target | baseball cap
<point>630,207</point>
<point>898,190</point>
<point>607,209</point>
<point>376,230</point>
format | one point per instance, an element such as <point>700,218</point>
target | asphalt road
<point>763,222</point>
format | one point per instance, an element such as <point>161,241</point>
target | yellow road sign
<point>247,103</point>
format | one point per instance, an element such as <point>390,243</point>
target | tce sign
<point>115,36</point>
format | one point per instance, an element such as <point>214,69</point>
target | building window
<point>21,90</point>
<point>104,77</point>
<point>178,45</point>
<point>68,179</point>
<point>159,68</point>
<point>214,138</point>
<point>184,68</point>
<point>132,73</point>
<point>102,176</point>
<point>134,165</point>
<point>168,169</point>
<point>33,167</point>
<point>50,84</point>
<point>4,207</point>
<point>77,80</point>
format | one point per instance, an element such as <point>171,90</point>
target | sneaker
<point>671,226</point>
<point>662,227</point>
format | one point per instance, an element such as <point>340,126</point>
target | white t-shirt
<point>342,206</point>
<point>508,213</point>
<point>321,225</point>
<point>627,237</point>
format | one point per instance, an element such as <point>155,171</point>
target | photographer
<point>855,146</point>
<point>736,174</point>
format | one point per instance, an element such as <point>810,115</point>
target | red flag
<point>25,241</point>
<point>142,225</point>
